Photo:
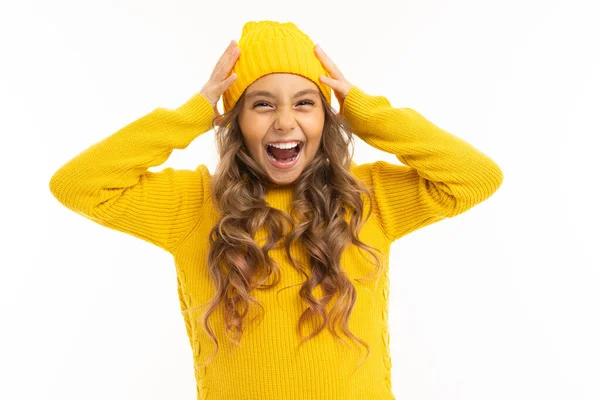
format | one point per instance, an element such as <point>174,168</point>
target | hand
<point>219,80</point>
<point>337,82</point>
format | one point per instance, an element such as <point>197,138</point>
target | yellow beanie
<point>268,47</point>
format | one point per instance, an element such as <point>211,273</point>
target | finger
<point>229,63</point>
<point>223,86</point>
<point>229,49</point>
<point>225,53</point>
<point>328,63</point>
<point>330,82</point>
<point>336,86</point>
<point>225,58</point>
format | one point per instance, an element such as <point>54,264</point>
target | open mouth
<point>284,157</point>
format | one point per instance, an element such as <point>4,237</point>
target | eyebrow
<point>269,94</point>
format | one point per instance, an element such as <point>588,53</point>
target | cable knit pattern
<point>442,176</point>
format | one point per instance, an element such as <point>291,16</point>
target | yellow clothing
<point>443,176</point>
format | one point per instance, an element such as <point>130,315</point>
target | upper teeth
<point>284,145</point>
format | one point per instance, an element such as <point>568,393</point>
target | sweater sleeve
<point>109,183</point>
<point>443,175</point>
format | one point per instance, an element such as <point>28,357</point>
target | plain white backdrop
<point>498,303</point>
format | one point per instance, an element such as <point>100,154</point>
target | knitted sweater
<point>442,177</point>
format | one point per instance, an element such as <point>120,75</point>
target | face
<point>280,109</point>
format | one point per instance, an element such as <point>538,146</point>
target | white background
<point>498,303</point>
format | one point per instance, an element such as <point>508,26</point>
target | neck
<point>287,186</point>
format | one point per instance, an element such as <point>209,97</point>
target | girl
<point>288,230</point>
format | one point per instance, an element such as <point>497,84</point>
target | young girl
<point>279,254</point>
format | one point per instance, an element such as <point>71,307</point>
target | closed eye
<point>303,102</point>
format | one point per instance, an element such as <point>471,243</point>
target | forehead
<point>282,85</point>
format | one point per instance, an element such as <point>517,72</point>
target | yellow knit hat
<point>268,47</point>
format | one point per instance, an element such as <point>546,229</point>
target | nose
<point>285,120</point>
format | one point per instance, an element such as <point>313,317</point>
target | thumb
<point>332,83</point>
<point>228,82</point>
<point>326,79</point>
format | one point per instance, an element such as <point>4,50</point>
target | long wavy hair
<point>324,194</point>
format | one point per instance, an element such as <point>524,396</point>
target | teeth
<point>284,145</point>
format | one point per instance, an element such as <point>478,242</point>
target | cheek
<point>253,146</point>
<point>256,149</point>
<point>314,133</point>
<point>315,143</point>
<point>252,141</point>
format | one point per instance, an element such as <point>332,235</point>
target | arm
<point>443,175</point>
<point>109,183</point>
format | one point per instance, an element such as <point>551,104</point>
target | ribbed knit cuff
<point>358,106</point>
<point>197,110</point>
<point>362,111</point>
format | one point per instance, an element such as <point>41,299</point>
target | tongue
<point>282,154</point>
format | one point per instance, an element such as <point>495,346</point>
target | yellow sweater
<point>110,184</point>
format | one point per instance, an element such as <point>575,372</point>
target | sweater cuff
<point>197,110</point>
<point>359,106</point>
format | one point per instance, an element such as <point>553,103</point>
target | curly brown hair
<point>326,195</point>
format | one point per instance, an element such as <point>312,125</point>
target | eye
<point>303,102</point>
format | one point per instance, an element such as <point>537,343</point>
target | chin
<point>283,181</point>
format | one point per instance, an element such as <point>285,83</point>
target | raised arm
<point>443,175</point>
<point>109,183</point>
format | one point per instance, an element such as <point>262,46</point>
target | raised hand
<point>220,79</point>
<point>337,82</point>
